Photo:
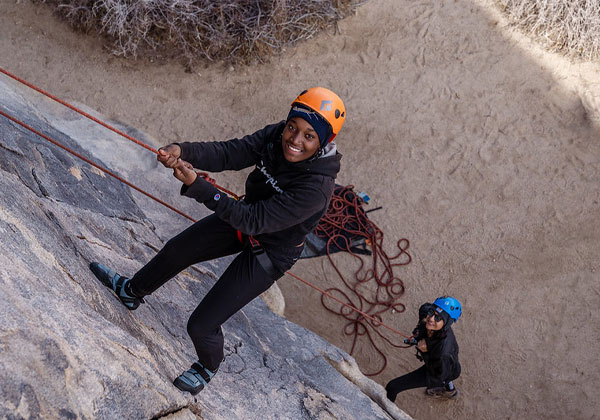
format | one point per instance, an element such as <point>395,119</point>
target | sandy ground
<point>483,150</point>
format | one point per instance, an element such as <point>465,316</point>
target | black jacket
<point>441,357</point>
<point>284,201</point>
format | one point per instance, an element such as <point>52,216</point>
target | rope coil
<point>344,222</point>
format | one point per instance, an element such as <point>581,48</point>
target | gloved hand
<point>410,341</point>
<point>168,155</point>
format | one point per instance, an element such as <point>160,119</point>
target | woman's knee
<point>388,387</point>
<point>390,392</point>
<point>200,328</point>
<point>393,385</point>
<point>196,329</point>
<point>171,249</point>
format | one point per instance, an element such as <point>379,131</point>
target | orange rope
<point>111,128</point>
<point>108,172</point>
<point>85,114</point>
<point>376,322</point>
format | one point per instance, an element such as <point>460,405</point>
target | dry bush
<point>569,26</point>
<point>230,30</point>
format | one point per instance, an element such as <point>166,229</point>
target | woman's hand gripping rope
<point>169,155</point>
<point>184,171</point>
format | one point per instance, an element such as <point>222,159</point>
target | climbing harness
<point>362,319</point>
<point>260,254</point>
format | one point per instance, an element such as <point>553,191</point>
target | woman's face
<point>432,323</point>
<point>299,140</point>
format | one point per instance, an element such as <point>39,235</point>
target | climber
<point>288,191</point>
<point>437,348</point>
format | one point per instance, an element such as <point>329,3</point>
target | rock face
<point>69,350</point>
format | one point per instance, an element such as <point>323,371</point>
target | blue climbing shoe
<point>194,379</point>
<point>119,284</point>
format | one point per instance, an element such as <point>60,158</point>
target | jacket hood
<point>327,162</point>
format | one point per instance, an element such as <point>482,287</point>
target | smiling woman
<point>316,117</point>
<point>299,140</point>
<point>288,192</point>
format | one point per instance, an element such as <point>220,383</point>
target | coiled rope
<point>344,224</point>
<point>374,318</point>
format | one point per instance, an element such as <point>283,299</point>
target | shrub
<point>230,30</point>
<point>569,26</point>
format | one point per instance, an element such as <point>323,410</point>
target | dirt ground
<point>483,150</point>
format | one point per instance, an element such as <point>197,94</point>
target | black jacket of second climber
<point>283,201</point>
<point>441,357</point>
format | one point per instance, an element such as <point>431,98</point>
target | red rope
<point>106,171</point>
<point>111,128</point>
<point>374,320</point>
<point>344,223</point>
<point>79,111</point>
<point>358,323</point>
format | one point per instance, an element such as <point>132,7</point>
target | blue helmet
<point>450,305</point>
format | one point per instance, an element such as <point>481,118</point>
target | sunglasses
<point>436,315</point>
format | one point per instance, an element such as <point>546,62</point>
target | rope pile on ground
<point>375,288</point>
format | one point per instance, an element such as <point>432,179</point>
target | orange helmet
<point>327,104</point>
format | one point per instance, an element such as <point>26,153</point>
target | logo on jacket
<point>270,180</point>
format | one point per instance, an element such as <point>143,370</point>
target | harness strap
<point>261,256</point>
<point>204,372</point>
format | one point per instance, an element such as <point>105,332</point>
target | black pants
<point>415,379</point>
<point>241,282</point>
